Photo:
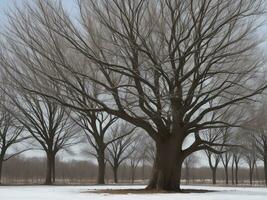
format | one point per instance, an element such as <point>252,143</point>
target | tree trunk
<point>226,175</point>
<point>233,176</point>
<point>250,174</point>
<point>214,176</point>
<point>115,174</point>
<point>167,167</point>
<point>236,173</point>
<point>101,168</point>
<point>257,173</point>
<point>49,163</point>
<point>54,169</point>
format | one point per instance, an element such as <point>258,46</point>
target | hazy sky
<point>5,5</point>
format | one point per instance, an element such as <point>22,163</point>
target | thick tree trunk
<point>115,174</point>
<point>49,163</point>
<point>167,167</point>
<point>101,168</point>
<point>214,179</point>
<point>250,175</point>
<point>53,168</point>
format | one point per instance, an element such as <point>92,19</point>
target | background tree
<point>136,155</point>
<point>227,138</point>
<point>48,123</point>
<point>225,158</point>
<point>96,126</point>
<point>11,134</point>
<point>258,129</point>
<point>214,160</point>
<point>121,148</point>
<point>237,155</point>
<point>158,76</point>
<point>250,155</point>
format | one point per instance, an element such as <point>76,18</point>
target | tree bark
<point>48,179</point>
<point>226,175</point>
<point>236,173</point>
<point>250,175</point>
<point>166,174</point>
<point>115,174</point>
<point>53,168</point>
<point>101,168</point>
<point>233,176</point>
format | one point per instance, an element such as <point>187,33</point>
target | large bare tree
<point>156,64</point>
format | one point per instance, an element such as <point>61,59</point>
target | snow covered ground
<point>83,193</point>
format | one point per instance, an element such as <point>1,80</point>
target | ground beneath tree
<point>144,191</point>
<point>128,192</point>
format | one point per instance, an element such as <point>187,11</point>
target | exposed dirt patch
<point>144,191</point>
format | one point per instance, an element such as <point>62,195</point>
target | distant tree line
<point>25,170</point>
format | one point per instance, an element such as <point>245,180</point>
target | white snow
<point>83,192</point>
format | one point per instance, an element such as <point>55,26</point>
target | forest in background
<point>24,170</point>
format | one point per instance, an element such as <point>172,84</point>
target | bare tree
<point>157,65</point>
<point>225,158</point>
<point>227,155</point>
<point>211,156</point>
<point>258,131</point>
<point>136,156</point>
<point>250,155</point>
<point>121,149</point>
<point>214,160</point>
<point>262,149</point>
<point>11,134</point>
<point>237,155</point>
<point>48,123</point>
<point>96,126</point>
